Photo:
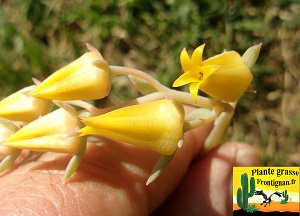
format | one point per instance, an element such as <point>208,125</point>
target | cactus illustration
<point>285,196</point>
<point>243,194</point>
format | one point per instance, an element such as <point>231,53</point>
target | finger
<point>207,188</point>
<point>110,180</point>
<point>173,174</point>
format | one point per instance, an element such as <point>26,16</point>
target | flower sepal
<point>141,85</point>
<point>251,55</point>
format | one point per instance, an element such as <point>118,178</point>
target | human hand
<point>111,181</point>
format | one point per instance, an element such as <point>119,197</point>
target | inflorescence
<point>156,121</point>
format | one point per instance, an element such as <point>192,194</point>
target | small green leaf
<point>161,164</point>
<point>141,85</point>
<point>9,160</point>
<point>75,160</point>
<point>251,55</point>
<point>199,113</point>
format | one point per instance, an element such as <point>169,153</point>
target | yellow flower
<point>55,132</point>
<point>7,128</point>
<point>20,107</point>
<point>224,76</point>
<point>154,125</point>
<point>86,78</point>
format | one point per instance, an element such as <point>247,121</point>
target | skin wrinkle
<point>47,200</point>
<point>53,184</point>
<point>35,192</point>
<point>77,204</point>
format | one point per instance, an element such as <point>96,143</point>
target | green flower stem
<point>9,160</point>
<point>183,97</point>
<point>147,98</point>
<point>218,133</point>
<point>202,102</point>
<point>116,70</point>
<point>83,104</point>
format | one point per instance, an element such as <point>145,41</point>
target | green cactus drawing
<point>243,194</point>
<point>285,196</point>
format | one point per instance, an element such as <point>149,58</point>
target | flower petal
<point>228,85</point>
<point>194,87</point>
<point>209,70</point>
<point>48,133</point>
<point>185,61</point>
<point>86,78</point>
<point>187,77</point>
<point>226,59</point>
<point>197,55</point>
<point>20,107</point>
<point>154,125</point>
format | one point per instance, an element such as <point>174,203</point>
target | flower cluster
<point>156,121</point>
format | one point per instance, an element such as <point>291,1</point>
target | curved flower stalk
<point>20,107</point>
<point>8,155</point>
<point>7,128</point>
<point>55,132</point>
<point>86,78</point>
<point>156,125</point>
<point>224,76</point>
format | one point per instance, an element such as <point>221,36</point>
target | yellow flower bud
<point>55,132</point>
<point>7,128</point>
<point>86,78</point>
<point>224,76</point>
<point>20,107</point>
<point>154,125</point>
<point>231,80</point>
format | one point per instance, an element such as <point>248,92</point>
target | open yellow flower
<point>224,76</point>
<point>86,78</point>
<point>20,107</point>
<point>154,125</point>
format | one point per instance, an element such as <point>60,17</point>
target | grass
<point>38,37</point>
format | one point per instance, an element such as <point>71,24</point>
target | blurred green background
<point>38,37</point>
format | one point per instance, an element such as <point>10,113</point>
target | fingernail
<point>248,157</point>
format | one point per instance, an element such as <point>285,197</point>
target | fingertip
<point>241,154</point>
<point>248,156</point>
<point>207,187</point>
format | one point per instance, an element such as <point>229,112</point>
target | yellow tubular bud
<point>231,80</point>
<point>154,125</point>
<point>55,132</point>
<point>86,78</point>
<point>7,128</point>
<point>20,107</point>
